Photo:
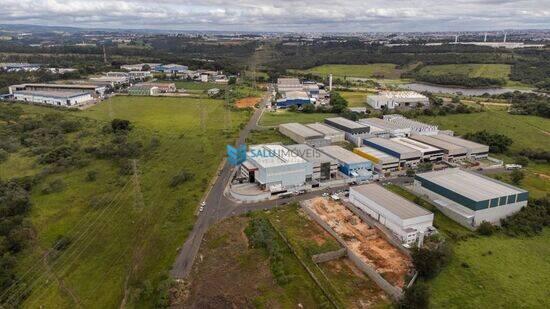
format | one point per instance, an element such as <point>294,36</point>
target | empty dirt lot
<point>247,102</point>
<point>364,240</point>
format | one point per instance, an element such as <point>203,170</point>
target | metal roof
<point>451,148</point>
<point>423,148</point>
<point>380,155</point>
<point>473,186</point>
<point>273,155</point>
<point>310,154</point>
<point>346,123</point>
<point>383,124</point>
<point>471,146</point>
<point>301,130</point>
<point>324,129</point>
<point>404,151</point>
<point>343,155</point>
<point>53,94</point>
<point>392,202</point>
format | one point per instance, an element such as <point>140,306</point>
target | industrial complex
<point>394,99</point>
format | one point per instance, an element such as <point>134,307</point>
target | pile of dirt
<point>366,241</point>
<point>247,102</point>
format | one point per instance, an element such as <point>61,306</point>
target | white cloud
<point>282,15</point>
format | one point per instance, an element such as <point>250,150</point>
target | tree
<point>337,102</point>
<point>119,125</point>
<point>410,173</point>
<point>517,176</point>
<point>455,99</point>
<point>232,80</point>
<point>486,229</point>
<point>416,297</point>
<point>429,261</point>
<point>146,67</point>
<point>498,143</point>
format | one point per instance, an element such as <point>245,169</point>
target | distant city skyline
<point>283,15</point>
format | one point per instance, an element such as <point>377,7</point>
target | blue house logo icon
<point>237,155</point>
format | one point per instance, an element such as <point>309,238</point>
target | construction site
<point>364,241</point>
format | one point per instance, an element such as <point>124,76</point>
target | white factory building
<point>56,98</point>
<point>470,198</point>
<point>380,126</point>
<point>276,168</point>
<point>324,167</point>
<point>416,127</point>
<point>394,99</point>
<point>451,152</point>
<point>408,221</point>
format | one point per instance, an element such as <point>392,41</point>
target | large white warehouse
<point>405,219</point>
<point>393,99</point>
<point>470,198</point>
<point>275,167</point>
<point>56,98</point>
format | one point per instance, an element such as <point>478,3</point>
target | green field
<point>282,116</point>
<point>526,131</point>
<point>131,231</point>
<point>188,85</point>
<point>471,70</point>
<point>501,71</point>
<point>355,98</point>
<point>496,272</point>
<point>379,70</point>
<point>267,136</point>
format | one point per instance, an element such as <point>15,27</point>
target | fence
<point>393,291</point>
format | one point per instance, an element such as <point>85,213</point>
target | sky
<point>282,15</point>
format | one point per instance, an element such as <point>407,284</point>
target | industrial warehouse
<point>303,135</point>
<point>63,95</point>
<point>474,150</point>
<point>408,221</point>
<point>380,126</point>
<point>383,162</point>
<point>324,167</point>
<point>347,125</point>
<point>330,133</point>
<point>470,198</point>
<point>408,157</point>
<point>350,163</point>
<point>429,153</point>
<point>395,99</point>
<point>451,151</point>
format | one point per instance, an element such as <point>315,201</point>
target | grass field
<point>387,70</point>
<point>267,136</point>
<point>355,98</point>
<point>495,272</point>
<point>283,116</point>
<point>472,70</point>
<point>189,85</point>
<point>476,70</point>
<point>133,240</point>
<point>526,131</point>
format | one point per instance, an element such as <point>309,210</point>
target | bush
<point>91,176</point>
<point>180,178</point>
<point>530,220</point>
<point>3,155</point>
<point>61,243</point>
<point>486,229</point>
<point>429,261</point>
<point>415,297</point>
<point>498,143</point>
<point>120,125</point>
<point>54,187</point>
<point>517,176</point>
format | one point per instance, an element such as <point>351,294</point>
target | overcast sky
<point>282,15</point>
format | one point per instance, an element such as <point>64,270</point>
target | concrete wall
<point>329,256</point>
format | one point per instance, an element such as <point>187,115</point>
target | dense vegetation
<point>525,103</point>
<point>459,80</point>
<point>530,221</point>
<point>498,143</point>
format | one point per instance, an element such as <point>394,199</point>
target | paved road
<point>218,206</point>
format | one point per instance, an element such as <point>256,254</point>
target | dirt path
<point>61,283</point>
